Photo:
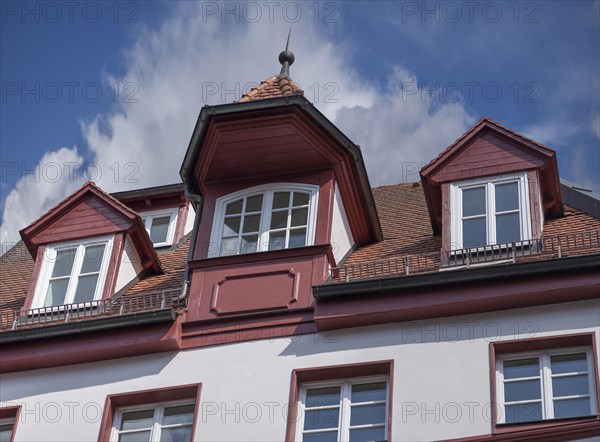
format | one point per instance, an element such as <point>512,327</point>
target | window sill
<point>556,424</point>
<point>273,255</point>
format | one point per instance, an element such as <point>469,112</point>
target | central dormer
<point>285,197</point>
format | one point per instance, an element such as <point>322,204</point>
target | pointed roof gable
<point>89,212</point>
<point>487,149</point>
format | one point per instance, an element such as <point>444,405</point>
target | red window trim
<point>12,412</point>
<point>538,344</point>
<point>114,401</point>
<point>333,372</point>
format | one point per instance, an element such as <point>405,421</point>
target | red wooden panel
<point>89,218</point>
<point>489,154</point>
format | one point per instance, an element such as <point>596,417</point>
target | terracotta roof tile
<point>404,220</point>
<point>273,87</point>
<point>16,268</point>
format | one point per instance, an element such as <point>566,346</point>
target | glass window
<point>73,273</point>
<point>261,220</point>
<point>549,385</point>
<point>160,226</point>
<point>6,429</point>
<point>491,211</point>
<point>165,422</point>
<point>354,410</point>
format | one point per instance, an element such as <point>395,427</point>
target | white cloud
<point>37,192</point>
<point>191,61</point>
<point>595,124</point>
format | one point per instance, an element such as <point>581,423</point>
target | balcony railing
<point>116,306</point>
<point>549,247</point>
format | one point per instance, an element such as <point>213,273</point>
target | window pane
<point>5,432</point>
<point>299,217</point>
<point>254,203</point>
<point>249,243</point>
<point>231,226</point>
<point>277,241</point>
<point>474,233</point>
<point>92,259</point>
<point>330,436</point>
<point>572,408</point>
<point>508,228</point>
<point>281,200</point>
<point>234,207</point>
<point>321,419</point>
<point>229,246</point>
<point>522,390</point>
<point>507,197</point>
<point>279,220</point>
<point>251,223</point>
<point>56,292</point>
<point>86,288</point>
<point>569,363</point>
<point>367,434</point>
<point>179,434</point>
<point>570,385</point>
<point>159,229</point>
<point>142,436</point>
<point>179,415</point>
<point>368,392</point>
<point>297,238</point>
<point>135,420</point>
<point>63,263</point>
<point>473,201</point>
<point>523,413</point>
<point>321,397</point>
<point>523,368</point>
<point>367,414</point>
<point>301,199</point>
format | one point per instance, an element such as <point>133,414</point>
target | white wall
<point>130,265</point>
<point>189,221</point>
<point>341,236</point>
<point>441,378</point>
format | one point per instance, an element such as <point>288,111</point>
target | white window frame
<point>345,394</point>
<point>159,408</point>
<point>147,218</point>
<point>48,265</point>
<point>546,379</point>
<point>267,190</point>
<point>456,206</point>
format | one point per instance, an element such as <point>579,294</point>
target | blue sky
<point>110,91</point>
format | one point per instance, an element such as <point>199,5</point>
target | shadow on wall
<point>74,377</point>
<point>520,324</point>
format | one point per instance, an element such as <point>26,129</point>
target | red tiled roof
<point>16,267</point>
<point>404,219</point>
<point>273,87</point>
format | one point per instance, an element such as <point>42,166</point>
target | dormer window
<point>491,210</point>
<point>264,218</point>
<point>160,225</point>
<point>73,273</point>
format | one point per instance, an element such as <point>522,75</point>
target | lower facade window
<point>164,422</point>
<point>349,410</point>
<point>546,385</point>
<point>6,429</point>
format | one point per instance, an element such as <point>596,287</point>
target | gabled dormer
<point>285,197</point>
<point>491,187</point>
<point>165,211</point>
<point>85,249</point>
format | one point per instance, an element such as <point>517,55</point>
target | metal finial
<point>286,58</point>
